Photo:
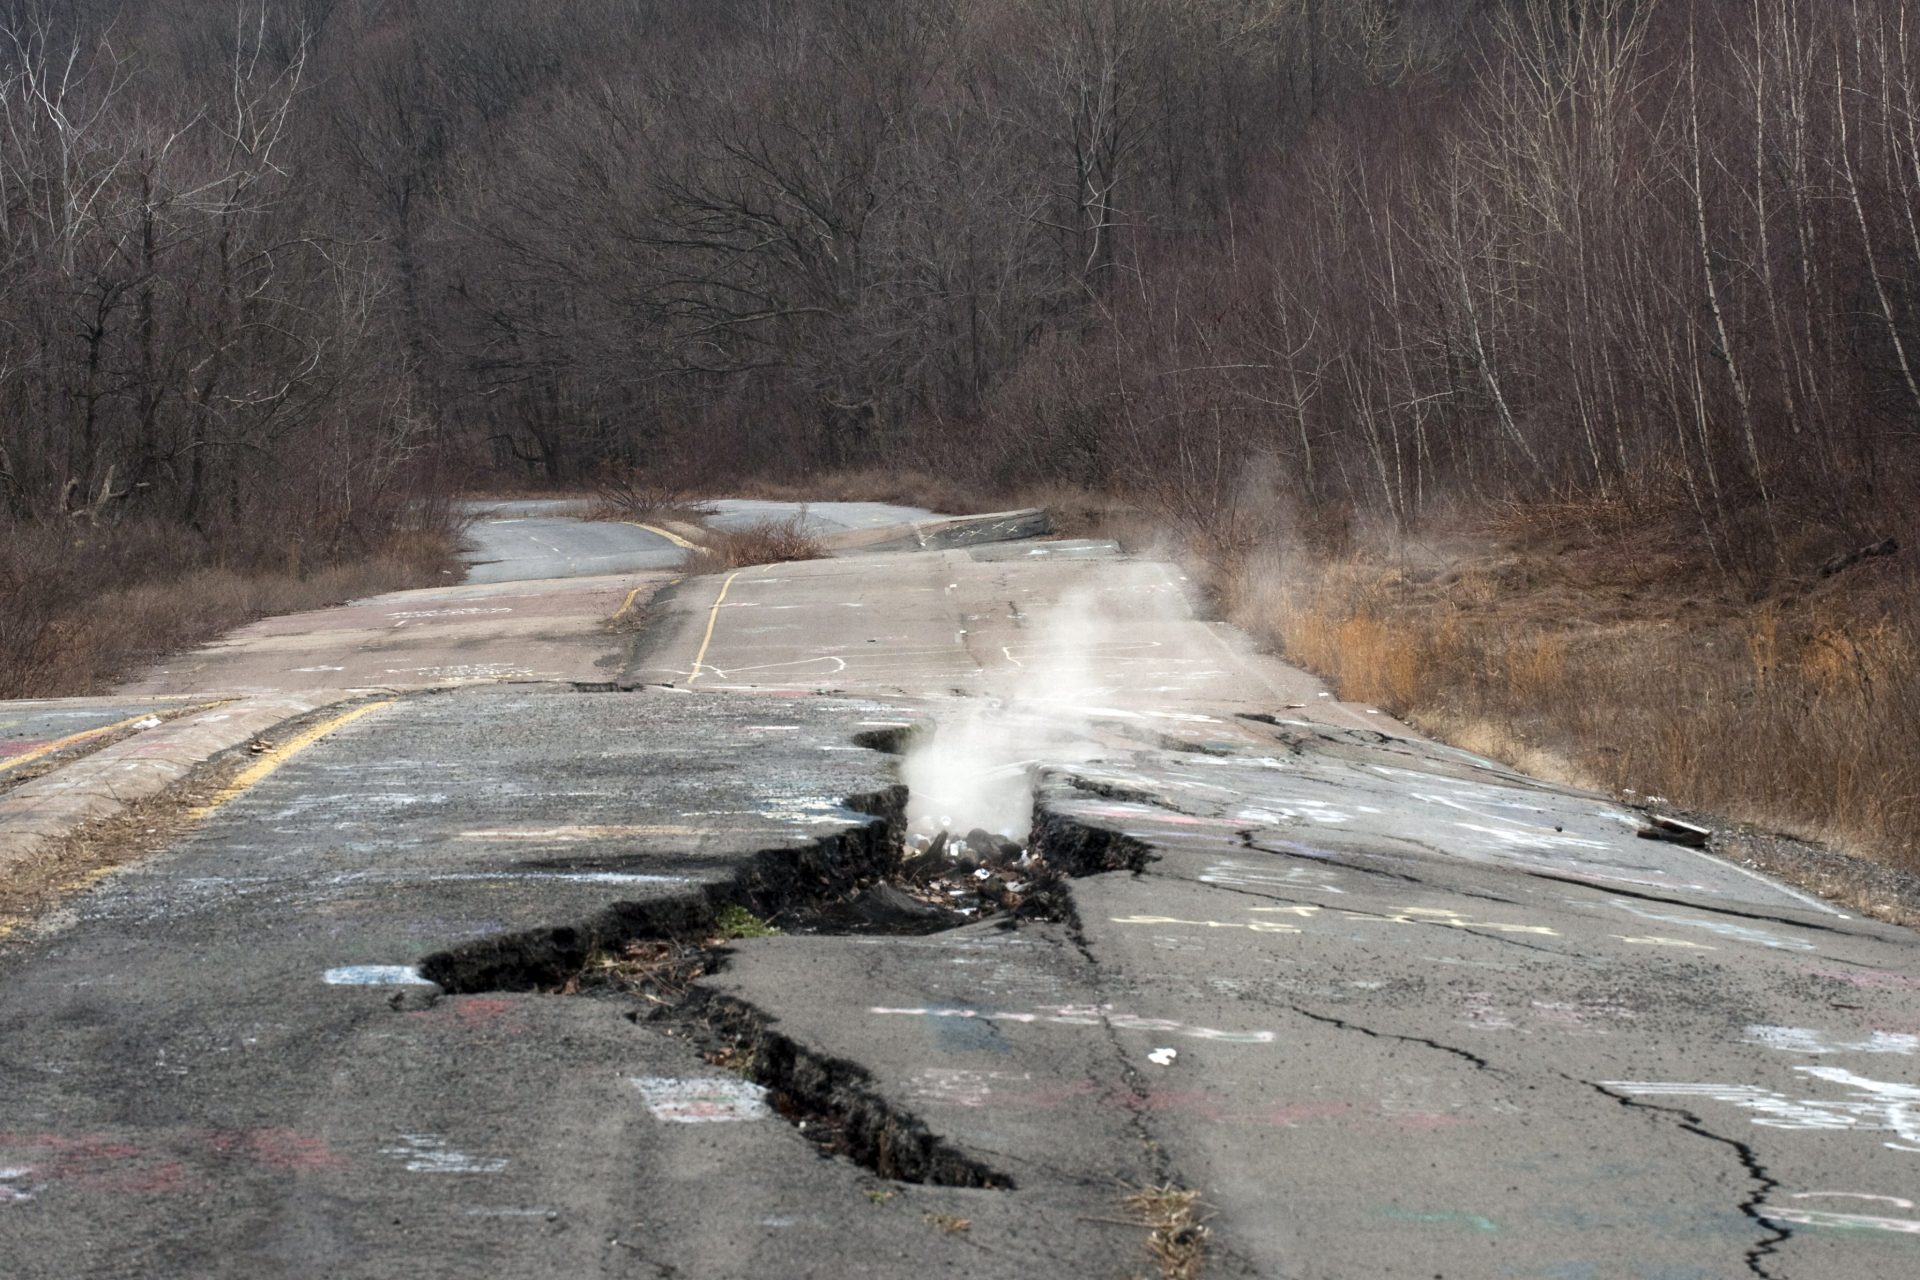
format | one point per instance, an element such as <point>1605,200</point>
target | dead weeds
<point>661,972</point>
<point>79,612</point>
<point>1603,654</point>
<point>768,542</point>
<point>1176,1230</point>
<point>70,864</point>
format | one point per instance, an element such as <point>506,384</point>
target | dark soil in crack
<point>831,1101</point>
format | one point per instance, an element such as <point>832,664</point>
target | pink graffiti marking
<point>101,1164</point>
<point>285,1149</point>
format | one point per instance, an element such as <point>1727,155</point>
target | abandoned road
<point>557,948</point>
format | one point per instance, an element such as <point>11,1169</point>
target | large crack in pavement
<point>1777,1233</point>
<point>813,889</point>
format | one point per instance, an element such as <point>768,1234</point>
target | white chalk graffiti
<point>1726,929</point>
<point>376,975</point>
<point>1090,1016</point>
<point>1439,916</point>
<point>1843,1221</point>
<point>425,1153</point>
<point>10,1190</point>
<point>962,1088</point>
<point>1873,1105</point>
<point>1242,875</point>
<point>1653,940</point>
<point>1807,1040</point>
<point>414,614</point>
<point>702,1101</point>
<point>1281,809</point>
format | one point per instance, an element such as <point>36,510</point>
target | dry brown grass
<point>769,542</point>
<point>1176,1234</point>
<point>1616,662</point>
<point>82,609</point>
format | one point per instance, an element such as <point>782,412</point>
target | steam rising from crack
<point>977,769</point>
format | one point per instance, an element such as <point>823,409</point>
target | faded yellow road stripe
<point>273,759</point>
<point>668,534</point>
<point>621,612</point>
<point>713,616</point>
<point>72,739</point>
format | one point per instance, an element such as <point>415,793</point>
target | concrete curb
<point>104,783</point>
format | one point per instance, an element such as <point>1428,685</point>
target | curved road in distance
<point>526,541</point>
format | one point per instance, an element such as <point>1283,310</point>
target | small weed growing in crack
<point>950,1224</point>
<point>737,922</point>
<point>1177,1238</point>
<point>880,1195</point>
<point>730,1058</point>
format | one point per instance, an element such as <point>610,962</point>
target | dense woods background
<point>269,268</point>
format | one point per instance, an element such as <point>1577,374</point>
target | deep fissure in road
<point>868,879</point>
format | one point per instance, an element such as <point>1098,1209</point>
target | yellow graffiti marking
<point>668,534</point>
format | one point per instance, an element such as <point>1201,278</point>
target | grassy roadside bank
<point>82,608</point>
<point>1602,650</point>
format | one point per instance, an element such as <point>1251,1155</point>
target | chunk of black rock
<point>885,909</point>
<point>1673,831</point>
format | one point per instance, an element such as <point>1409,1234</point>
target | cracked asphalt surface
<point>1391,1009</point>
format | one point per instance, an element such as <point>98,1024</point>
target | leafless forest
<point>268,269</point>
<point>277,277</point>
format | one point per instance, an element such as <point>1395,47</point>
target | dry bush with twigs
<point>83,608</point>
<point>632,494</point>
<point>768,542</point>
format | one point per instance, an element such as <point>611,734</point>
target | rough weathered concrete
<point>548,630</point>
<point>189,1094</point>
<point>1391,1009</point>
<point>105,782</point>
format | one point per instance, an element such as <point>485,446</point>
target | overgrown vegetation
<point>764,542</point>
<point>1176,1232</point>
<point>1585,644</point>
<point>83,606</point>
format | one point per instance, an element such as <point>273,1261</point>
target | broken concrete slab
<point>945,533</point>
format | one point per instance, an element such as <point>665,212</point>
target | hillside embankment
<point>1604,649</point>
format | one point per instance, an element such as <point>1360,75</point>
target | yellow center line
<point>713,616</point>
<point>668,534</point>
<point>72,739</point>
<point>273,759</point>
<point>634,594</point>
<point>621,612</point>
